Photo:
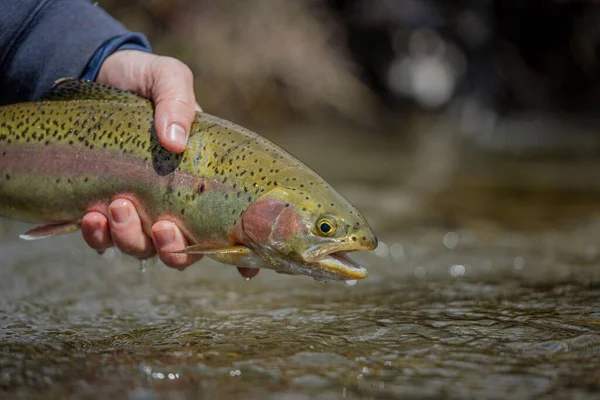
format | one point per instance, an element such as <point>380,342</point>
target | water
<point>486,285</point>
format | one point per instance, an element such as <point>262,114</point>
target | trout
<point>237,197</point>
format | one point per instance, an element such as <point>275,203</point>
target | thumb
<point>171,87</point>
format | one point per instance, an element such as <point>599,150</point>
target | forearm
<point>44,40</point>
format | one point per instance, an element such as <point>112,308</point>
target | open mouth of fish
<point>338,265</point>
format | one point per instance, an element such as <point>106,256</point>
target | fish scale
<point>86,144</point>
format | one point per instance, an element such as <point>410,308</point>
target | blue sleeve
<point>44,40</point>
<point>129,41</point>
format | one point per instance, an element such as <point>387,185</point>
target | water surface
<point>486,285</point>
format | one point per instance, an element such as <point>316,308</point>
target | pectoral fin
<point>209,250</point>
<point>240,256</point>
<point>44,231</point>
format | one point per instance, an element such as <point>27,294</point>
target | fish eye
<point>326,226</point>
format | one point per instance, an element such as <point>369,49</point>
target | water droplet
<point>450,240</point>
<point>158,375</point>
<point>143,265</point>
<point>519,262</point>
<point>351,282</point>
<point>420,272</point>
<point>110,255</point>
<point>457,270</point>
<point>382,250</point>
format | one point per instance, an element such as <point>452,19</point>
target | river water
<point>485,285</point>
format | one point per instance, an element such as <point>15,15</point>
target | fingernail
<point>177,134</point>
<point>164,237</point>
<point>120,213</point>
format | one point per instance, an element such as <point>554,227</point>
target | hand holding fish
<point>169,83</point>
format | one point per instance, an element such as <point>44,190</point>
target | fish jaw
<point>331,262</point>
<point>336,266</point>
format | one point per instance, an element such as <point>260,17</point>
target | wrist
<point>129,41</point>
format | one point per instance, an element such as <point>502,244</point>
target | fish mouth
<point>337,265</point>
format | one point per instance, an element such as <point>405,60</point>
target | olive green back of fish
<point>107,135</point>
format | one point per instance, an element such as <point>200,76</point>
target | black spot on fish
<point>163,161</point>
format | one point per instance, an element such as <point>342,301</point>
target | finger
<point>167,238</point>
<point>171,87</point>
<point>95,230</point>
<point>126,230</point>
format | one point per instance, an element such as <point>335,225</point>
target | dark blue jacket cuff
<point>129,41</point>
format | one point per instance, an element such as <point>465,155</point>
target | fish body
<point>236,196</point>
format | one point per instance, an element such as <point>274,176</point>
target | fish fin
<point>234,255</point>
<point>44,231</point>
<point>209,250</point>
<point>76,89</point>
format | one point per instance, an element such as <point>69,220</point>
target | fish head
<point>308,232</point>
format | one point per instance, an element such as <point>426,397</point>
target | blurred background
<point>458,95</point>
<point>466,131</point>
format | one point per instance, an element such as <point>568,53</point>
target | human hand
<point>169,84</point>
